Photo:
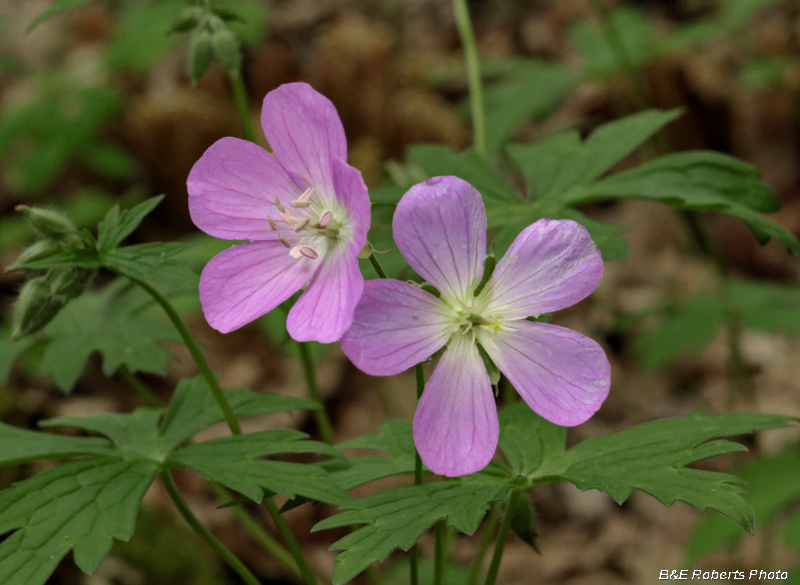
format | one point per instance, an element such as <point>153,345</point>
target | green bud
<point>41,298</point>
<point>38,251</point>
<point>226,49</point>
<point>226,14</point>
<point>201,51</point>
<point>488,269</point>
<point>187,19</point>
<point>51,224</point>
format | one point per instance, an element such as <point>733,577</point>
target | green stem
<point>243,107</point>
<point>377,265</point>
<point>467,35</point>
<point>194,349</point>
<point>291,542</point>
<point>147,395</point>
<point>486,540</point>
<point>440,556</point>
<point>192,520</point>
<point>502,535</point>
<point>413,554</point>
<point>320,414</point>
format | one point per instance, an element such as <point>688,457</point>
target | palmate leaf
<point>773,484</point>
<point>90,323</point>
<point>117,226</point>
<point>651,457</point>
<point>233,461</point>
<point>84,505</point>
<point>394,438</point>
<point>397,517</point>
<point>80,506</point>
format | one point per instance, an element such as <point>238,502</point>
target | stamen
<point>280,207</point>
<point>272,224</point>
<point>300,204</point>
<point>325,219</point>
<point>295,253</point>
<point>285,242</point>
<point>302,226</point>
<point>288,218</point>
<point>308,252</point>
<point>306,194</point>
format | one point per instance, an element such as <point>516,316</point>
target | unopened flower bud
<point>226,49</point>
<point>201,51</point>
<point>187,19</point>
<point>50,224</point>
<point>38,251</point>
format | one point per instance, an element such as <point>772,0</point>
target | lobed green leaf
<point>117,226</point>
<point>21,446</point>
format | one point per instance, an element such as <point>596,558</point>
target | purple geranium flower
<point>440,227</point>
<point>305,210</point>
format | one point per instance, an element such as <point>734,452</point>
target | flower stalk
<point>467,34</point>
<point>320,414</point>
<point>291,542</point>
<point>502,536</point>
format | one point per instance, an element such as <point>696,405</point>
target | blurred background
<point>97,109</point>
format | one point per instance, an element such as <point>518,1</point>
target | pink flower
<point>304,210</point>
<point>440,227</point>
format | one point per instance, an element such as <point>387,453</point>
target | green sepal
<point>201,51</point>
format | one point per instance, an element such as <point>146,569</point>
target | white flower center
<point>310,226</point>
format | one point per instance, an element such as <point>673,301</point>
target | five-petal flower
<point>440,228</point>
<point>304,210</point>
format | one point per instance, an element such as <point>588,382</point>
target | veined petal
<point>551,265</point>
<point>352,194</point>
<point>562,375</point>
<point>396,326</point>
<point>325,310</point>
<point>304,131</point>
<point>246,281</point>
<point>455,426</point>
<point>440,228</point>
<point>232,190</point>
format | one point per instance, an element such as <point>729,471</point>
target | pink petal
<point>232,189</point>
<point>551,265</point>
<point>352,193</point>
<point>305,133</point>
<point>455,427</point>
<point>440,228</point>
<point>396,326</point>
<point>562,375</point>
<point>325,310</point>
<point>246,281</point>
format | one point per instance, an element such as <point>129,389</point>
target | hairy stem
<point>467,34</point>
<point>243,107</point>
<point>486,540</point>
<point>320,414</point>
<point>291,542</point>
<point>136,384</point>
<point>192,520</point>
<point>502,535</point>
<point>194,349</point>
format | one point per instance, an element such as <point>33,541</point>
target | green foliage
<point>58,7</point>
<point>92,323</point>
<point>233,462</point>
<point>397,517</point>
<point>116,227</point>
<point>773,484</point>
<point>651,457</point>
<point>83,505</point>
<point>141,37</point>
<point>693,322</point>
<point>766,72</point>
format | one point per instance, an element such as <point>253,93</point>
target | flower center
<point>309,226</point>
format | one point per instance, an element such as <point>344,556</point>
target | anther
<point>285,242</point>
<point>325,219</point>
<point>272,224</point>
<point>308,252</point>
<point>280,207</point>
<point>300,204</point>
<point>302,226</point>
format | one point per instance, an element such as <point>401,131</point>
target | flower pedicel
<point>440,228</point>
<point>304,210</point>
